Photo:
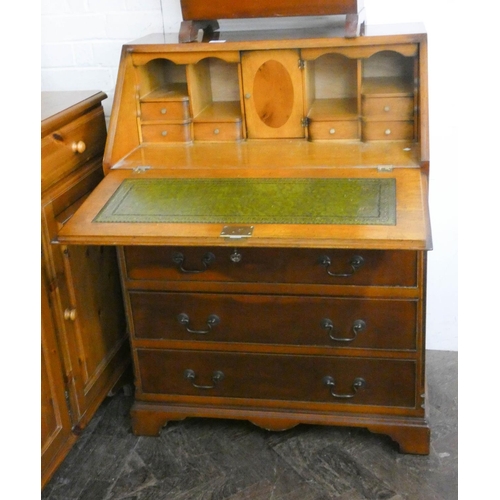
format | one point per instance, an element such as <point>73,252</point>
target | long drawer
<point>273,265</point>
<point>338,380</point>
<point>273,319</point>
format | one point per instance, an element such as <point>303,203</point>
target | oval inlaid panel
<point>273,94</point>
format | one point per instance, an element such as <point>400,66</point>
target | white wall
<point>80,49</point>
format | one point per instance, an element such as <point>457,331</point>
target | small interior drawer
<point>388,130</point>
<point>272,265</point>
<point>72,145</point>
<point>165,110</point>
<point>388,108</point>
<point>335,380</point>
<point>166,132</point>
<point>332,130</point>
<point>268,319</point>
<point>222,131</point>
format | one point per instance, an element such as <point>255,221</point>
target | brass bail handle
<point>359,383</point>
<point>207,259</point>
<point>212,320</point>
<point>358,326</point>
<point>355,262</point>
<point>217,376</point>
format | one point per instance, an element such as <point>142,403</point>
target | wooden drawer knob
<point>70,314</point>
<point>78,147</point>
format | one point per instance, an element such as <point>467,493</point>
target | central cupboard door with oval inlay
<point>272,86</point>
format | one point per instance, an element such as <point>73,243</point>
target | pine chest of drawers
<point>268,198</point>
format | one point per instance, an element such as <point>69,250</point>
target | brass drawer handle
<point>178,259</point>
<point>358,326</point>
<point>359,383</point>
<point>78,147</point>
<point>212,320</point>
<point>356,262</point>
<point>217,376</point>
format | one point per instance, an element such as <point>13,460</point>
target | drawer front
<point>166,132</point>
<point>388,108</point>
<point>273,265</point>
<point>166,110</point>
<point>230,131</point>
<point>71,146</point>
<point>268,319</point>
<point>324,379</point>
<point>348,129</point>
<point>387,131</point>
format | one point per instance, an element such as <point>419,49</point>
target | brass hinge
<point>302,64</point>
<point>236,232</point>
<point>141,169</point>
<point>305,121</point>
<point>385,168</point>
<point>68,403</point>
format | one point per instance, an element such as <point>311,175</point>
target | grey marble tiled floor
<point>202,459</point>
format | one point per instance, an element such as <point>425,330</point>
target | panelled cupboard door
<point>95,297</point>
<point>272,87</point>
<point>56,425</point>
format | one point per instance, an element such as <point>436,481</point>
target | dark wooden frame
<point>200,14</point>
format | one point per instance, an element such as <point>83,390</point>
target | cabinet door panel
<point>95,297</point>
<point>56,425</point>
<point>272,84</point>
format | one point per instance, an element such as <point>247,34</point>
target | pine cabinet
<point>84,339</point>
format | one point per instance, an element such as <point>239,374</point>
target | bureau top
<point>60,107</point>
<point>326,35</point>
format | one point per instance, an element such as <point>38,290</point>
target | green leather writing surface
<point>253,201</point>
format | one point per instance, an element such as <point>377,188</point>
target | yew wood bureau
<point>267,193</point>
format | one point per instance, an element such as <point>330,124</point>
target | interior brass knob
<point>388,132</point>
<point>387,108</point>
<point>78,147</point>
<point>163,111</point>
<point>70,314</point>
